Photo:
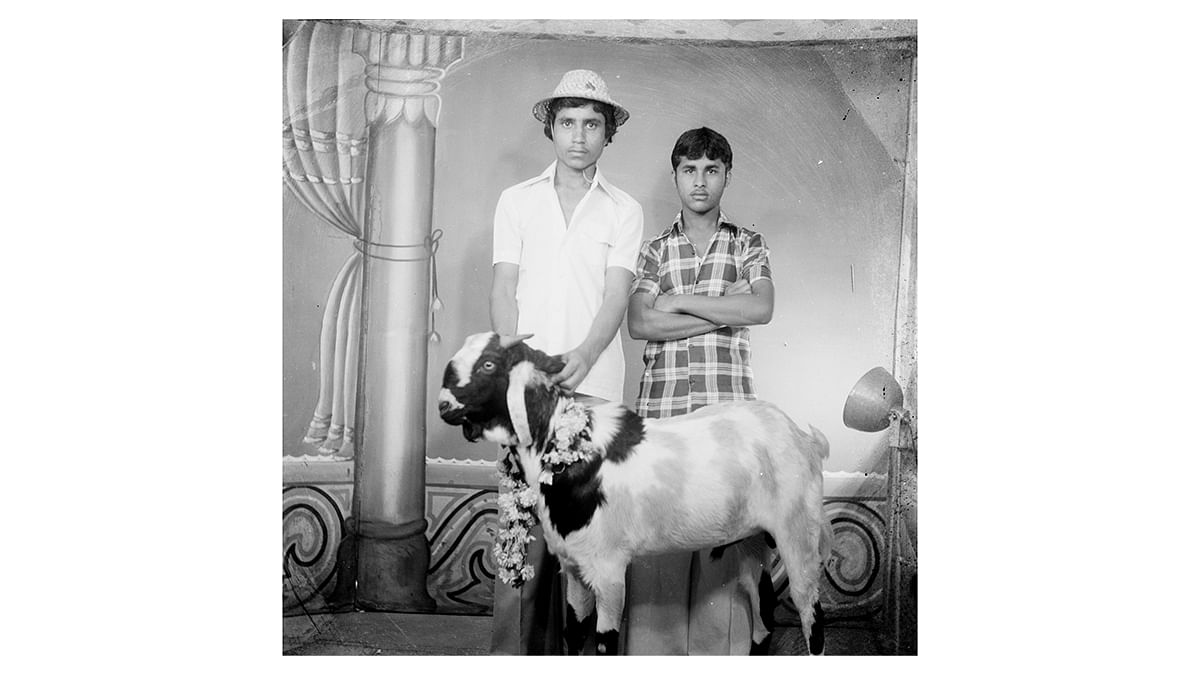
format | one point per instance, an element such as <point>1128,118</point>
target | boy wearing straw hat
<point>565,248</point>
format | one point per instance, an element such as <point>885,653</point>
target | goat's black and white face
<point>475,385</point>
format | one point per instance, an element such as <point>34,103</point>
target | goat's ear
<point>543,361</point>
<point>549,364</point>
<point>507,341</point>
<point>518,379</point>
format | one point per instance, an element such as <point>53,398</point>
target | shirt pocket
<point>595,242</point>
<point>601,232</point>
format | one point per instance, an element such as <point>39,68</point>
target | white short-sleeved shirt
<point>562,266</point>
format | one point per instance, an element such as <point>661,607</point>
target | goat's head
<point>480,380</point>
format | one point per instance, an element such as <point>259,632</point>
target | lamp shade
<point>871,400</point>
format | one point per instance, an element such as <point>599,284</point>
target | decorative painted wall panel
<point>460,503</point>
<point>461,568</point>
<point>460,499</point>
<point>314,526</point>
<point>852,587</point>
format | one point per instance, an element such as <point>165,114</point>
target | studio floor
<point>392,634</point>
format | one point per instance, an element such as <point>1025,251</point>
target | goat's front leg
<point>609,585</point>
<point>580,606</point>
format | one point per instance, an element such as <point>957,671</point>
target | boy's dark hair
<point>702,142</point>
<point>610,114</point>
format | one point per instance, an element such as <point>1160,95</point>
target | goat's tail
<point>822,442</point>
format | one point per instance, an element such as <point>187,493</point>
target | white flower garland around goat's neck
<point>517,499</point>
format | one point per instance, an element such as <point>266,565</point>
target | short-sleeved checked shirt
<point>687,374</point>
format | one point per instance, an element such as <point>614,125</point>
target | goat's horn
<point>507,341</point>
<point>518,378</point>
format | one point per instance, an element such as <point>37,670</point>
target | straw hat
<point>580,84</point>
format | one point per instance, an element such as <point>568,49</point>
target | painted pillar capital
<point>404,72</point>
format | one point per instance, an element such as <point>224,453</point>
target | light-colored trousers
<point>688,603</point>
<point>530,619</point>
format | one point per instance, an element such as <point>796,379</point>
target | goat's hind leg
<point>804,564</point>
<point>754,576</point>
<point>580,613</point>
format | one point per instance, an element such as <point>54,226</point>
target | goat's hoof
<point>606,643</point>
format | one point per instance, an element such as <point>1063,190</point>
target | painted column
<point>403,75</point>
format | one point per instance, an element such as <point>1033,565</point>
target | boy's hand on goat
<point>577,364</point>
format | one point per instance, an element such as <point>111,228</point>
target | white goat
<point>713,477</point>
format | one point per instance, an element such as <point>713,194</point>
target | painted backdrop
<point>819,135</point>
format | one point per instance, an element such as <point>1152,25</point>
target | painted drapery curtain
<point>324,161</point>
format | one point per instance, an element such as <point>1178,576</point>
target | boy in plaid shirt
<point>699,285</point>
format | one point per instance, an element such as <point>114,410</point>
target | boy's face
<point>700,183</point>
<point>578,136</point>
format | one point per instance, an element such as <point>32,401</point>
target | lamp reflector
<point>871,400</point>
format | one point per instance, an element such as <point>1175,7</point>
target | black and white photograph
<point>599,337</point>
<point>581,336</point>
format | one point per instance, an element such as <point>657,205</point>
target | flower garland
<point>572,443</point>
<point>517,498</point>
<point>516,502</point>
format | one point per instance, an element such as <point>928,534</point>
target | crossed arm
<point>578,361</point>
<point>673,317</point>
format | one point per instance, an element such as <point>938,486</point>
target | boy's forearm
<point>608,319</point>
<point>503,301</point>
<point>504,315</point>
<point>667,326</point>
<point>647,323</point>
<point>604,327</point>
<point>728,310</point>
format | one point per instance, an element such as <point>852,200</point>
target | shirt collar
<point>677,225</point>
<point>599,180</point>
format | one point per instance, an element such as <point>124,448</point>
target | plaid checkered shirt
<point>687,374</point>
